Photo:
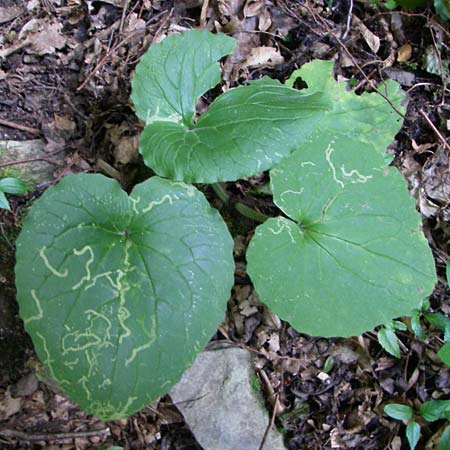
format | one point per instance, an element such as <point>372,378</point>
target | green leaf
<point>398,411</point>
<point>398,325</point>
<point>444,442</point>
<point>440,322</point>
<point>435,409</point>
<point>447,272</point>
<point>119,293</point>
<point>173,74</point>
<point>13,186</point>
<point>244,132</point>
<point>413,434</point>
<point>368,118</point>
<point>442,7</point>
<point>444,353</point>
<point>351,254</point>
<point>416,324</point>
<point>388,340</point>
<point>4,204</point>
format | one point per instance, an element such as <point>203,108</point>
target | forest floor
<point>65,70</point>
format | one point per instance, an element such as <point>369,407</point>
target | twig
<point>203,13</point>
<point>272,421</point>
<point>367,78</point>
<point>438,133</point>
<point>349,21</point>
<point>23,436</point>
<point>124,14</point>
<point>108,54</point>
<point>9,124</point>
<point>26,161</point>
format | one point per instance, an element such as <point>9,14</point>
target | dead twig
<point>272,421</point>
<point>346,50</point>
<point>26,161</point>
<point>9,124</point>
<point>24,436</point>
<point>349,21</point>
<point>203,13</point>
<point>433,127</point>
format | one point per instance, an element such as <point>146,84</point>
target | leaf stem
<point>250,213</point>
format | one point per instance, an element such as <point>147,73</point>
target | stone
<point>39,170</point>
<point>220,404</point>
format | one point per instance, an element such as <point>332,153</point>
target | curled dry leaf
<point>371,39</point>
<point>263,57</point>
<point>404,53</point>
<point>253,8</point>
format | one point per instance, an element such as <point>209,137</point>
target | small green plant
<point>430,411</point>
<point>11,186</point>
<point>388,339</point>
<point>442,7</point>
<point>119,293</point>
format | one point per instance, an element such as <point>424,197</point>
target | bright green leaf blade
<point>249,129</point>
<point>447,272</point>
<point>444,353</point>
<point>413,434</point>
<point>398,411</point>
<point>388,340</point>
<point>13,186</point>
<point>416,324</point>
<point>245,131</point>
<point>438,321</point>
<point>369,117</point>
<point>435,409</point>
<point>4,204</point>
<point>173,74</point>
<point>398,325</point>
<point>119,293</point>
<point>442,7</point>
<point>353,256</point>
<point>444,442</point>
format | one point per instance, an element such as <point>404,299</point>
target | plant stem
<point>250,213</point>
<point>246,211</point>
<point>221,192</point>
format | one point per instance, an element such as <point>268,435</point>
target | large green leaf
<point>120,292</point>
<point>369,118</point>
<point>173,74</point>
<point>245,131</point>
<point>351,255</point>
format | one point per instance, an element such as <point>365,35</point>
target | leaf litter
<point>65,71</point>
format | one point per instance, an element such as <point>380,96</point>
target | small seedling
<point>11,186</point>
<point>430,411</point>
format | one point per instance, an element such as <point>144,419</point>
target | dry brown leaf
<point>7,14</point>
<point>264,20</point>
<point>404,53</point>
<point>9,406</point>
<point>263,57</point>
<point>47,40</point>
<point>229,8</point>
<point>253,7</point>
<point>371,39</point>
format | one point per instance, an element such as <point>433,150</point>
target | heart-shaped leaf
<point>120,292</point>
<point>172,75</point>
<point>244,132</point>
<point>352,254</point>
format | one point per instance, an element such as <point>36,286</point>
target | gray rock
<point>35,172</point>
<point>219,404</point>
